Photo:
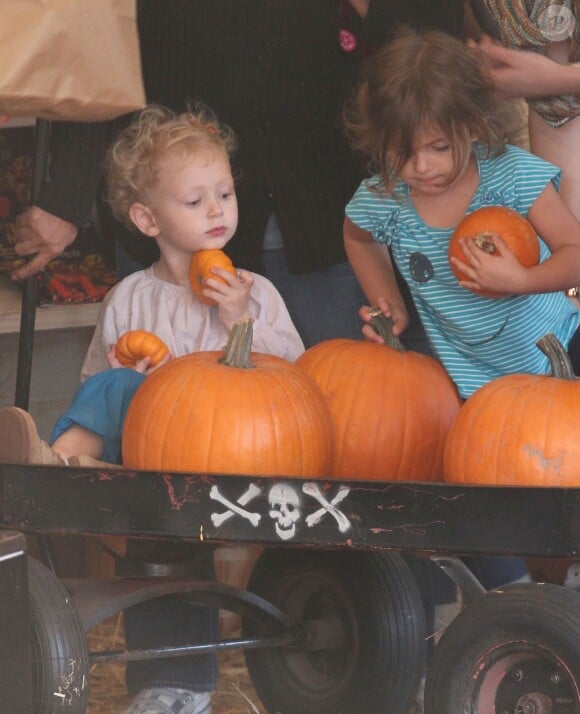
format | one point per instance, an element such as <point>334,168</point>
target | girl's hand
<point>141,366</point>
<point>397,313</point>
<point>231,296</point>
<point>500,272</point>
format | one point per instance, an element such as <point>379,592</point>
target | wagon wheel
<point>513,651</point>
<point>60,661</point>
<point>364,626</point>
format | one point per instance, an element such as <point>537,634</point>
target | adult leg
<point>172,621</point>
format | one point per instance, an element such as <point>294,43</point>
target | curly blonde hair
<point>422,80</point>
<point>132,161</point>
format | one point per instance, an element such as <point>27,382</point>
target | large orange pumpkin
<point>519,429</point>
<point>218,412</point>
<point>200,268</point>
<point>391,408</point>
<point>515,230</point>
<point>134,345</point>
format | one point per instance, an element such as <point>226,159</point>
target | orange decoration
<point>391,408</point>
<point>200,268</point>
<point>134,345</point>
<point>515,230</point>
<point>230,412</point>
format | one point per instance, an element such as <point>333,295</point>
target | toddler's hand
<point>232,296</point>
<point>141,366</point>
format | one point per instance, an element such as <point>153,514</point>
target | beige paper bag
<point>69,59</point>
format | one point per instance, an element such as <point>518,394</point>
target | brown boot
<point>20,442</point>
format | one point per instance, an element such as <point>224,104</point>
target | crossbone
<point>218,518</point>
<point>312,489</point>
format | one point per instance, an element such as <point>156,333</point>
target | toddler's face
<point>194,202</point>
<point>430,168</point>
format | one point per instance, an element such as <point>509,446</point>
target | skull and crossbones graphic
<point>285,507</point>
<point>328,507</point>
<point>236,508</point>
<point>284,510</point>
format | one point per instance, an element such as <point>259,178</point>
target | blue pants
<point>100,405</point>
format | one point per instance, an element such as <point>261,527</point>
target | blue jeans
<point>172,621</point>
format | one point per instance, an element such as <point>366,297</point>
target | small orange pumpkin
<point>391,409</point>
<point>200,268</point>
<point>515,230</point>
<point>134,345</point>
<point>230,412</point>
<point>519,429</point>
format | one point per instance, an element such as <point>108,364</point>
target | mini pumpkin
<point>230,412</point>
<point>519,429</point>
<point>134,345</point>
<point>515,230</point>
<point>391,408</point>
<point>200,268</point>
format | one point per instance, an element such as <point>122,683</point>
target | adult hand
<point>43,234</point>
<point>523,73</point>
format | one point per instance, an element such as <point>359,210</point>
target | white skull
<point>285,510</point>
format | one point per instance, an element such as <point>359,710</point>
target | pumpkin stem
<point>237,352</point>
<point>383,326</point>
<point>559,358</point>
<point>484,241</point>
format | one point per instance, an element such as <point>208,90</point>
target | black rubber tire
<point>376,666</point>
<point>60,660</point>
<point>514,649</point>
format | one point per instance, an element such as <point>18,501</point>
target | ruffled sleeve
<point>374,213</point>
<point>514,179</point>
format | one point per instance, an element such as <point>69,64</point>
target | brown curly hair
<point>131,163</point>
<point>419,80</point>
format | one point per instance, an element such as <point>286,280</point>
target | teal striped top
<point>476,338</point>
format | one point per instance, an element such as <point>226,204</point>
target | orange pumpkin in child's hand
<point>134,345</point>
<point>515,231</point>
<point>200,268</point>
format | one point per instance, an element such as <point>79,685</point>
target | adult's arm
<point>67,196</point>
<point>527,74</point>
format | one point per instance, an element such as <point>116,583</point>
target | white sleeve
<point>108,329</point>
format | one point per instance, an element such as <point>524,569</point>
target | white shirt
<point>143,302</point>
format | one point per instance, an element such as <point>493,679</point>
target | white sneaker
<point>165,700</point>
